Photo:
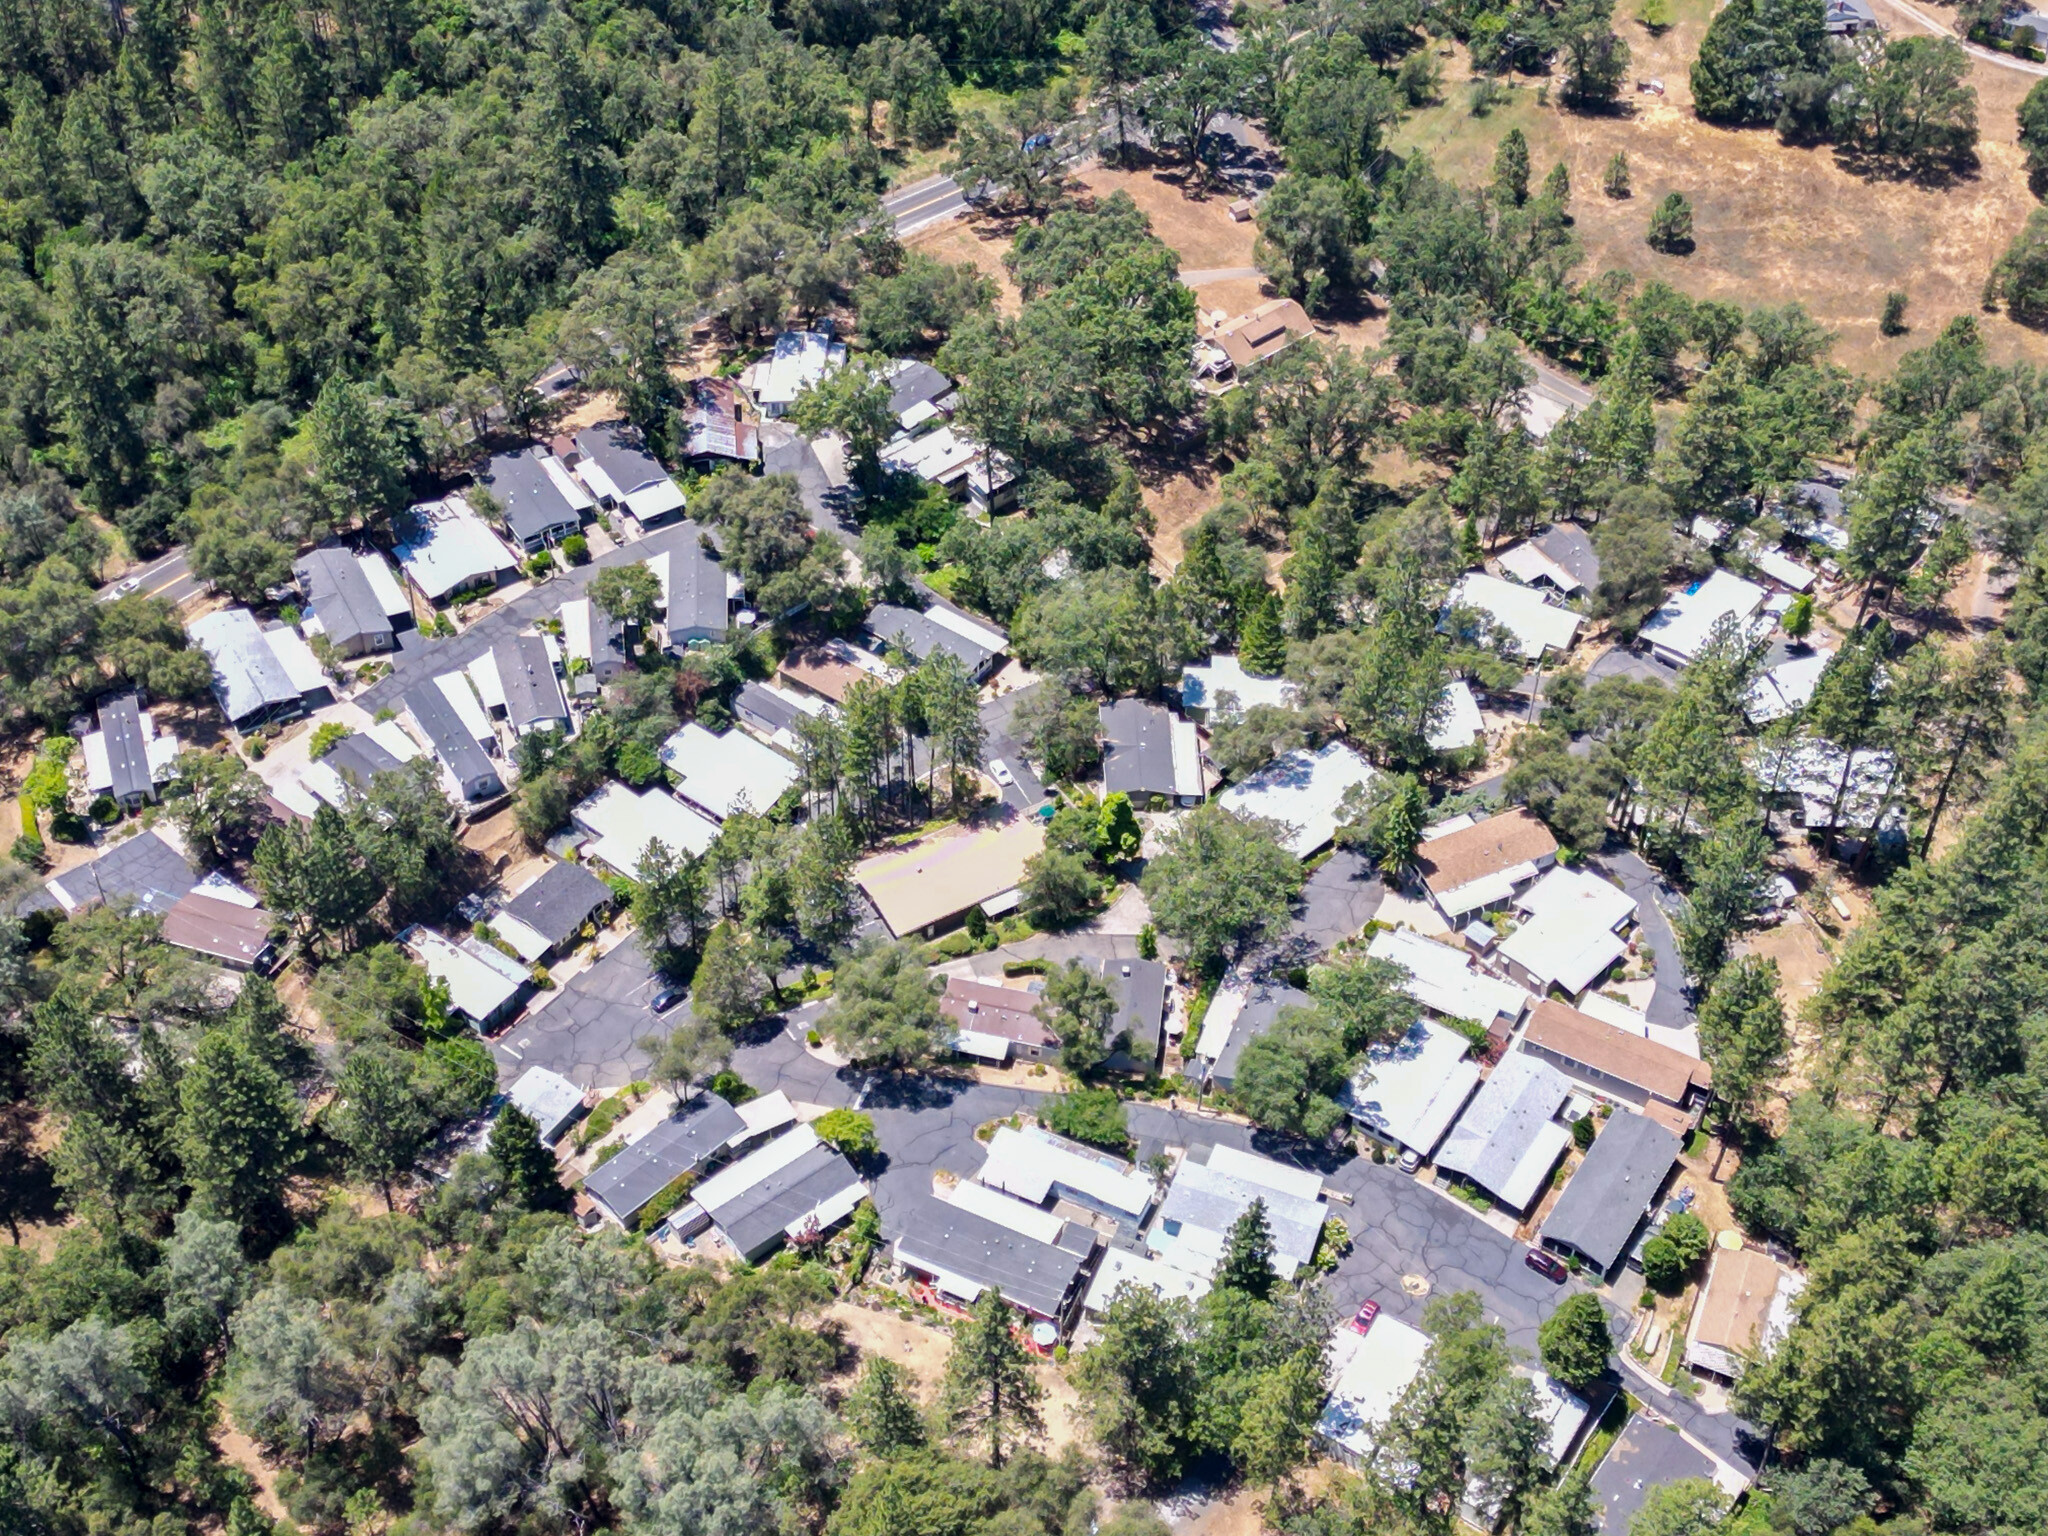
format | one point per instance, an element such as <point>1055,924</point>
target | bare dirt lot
<point>979,244</point>
<point>1772,222</point>
<point>1200,229</point>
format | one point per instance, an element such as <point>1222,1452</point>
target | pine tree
<point>1511,169</point>
<point>1615,181</point>
<point>1742,1032</point>
<point>238,1130</point>
<point>990,1391</point>
<point>880,1411</point>
<point>1248,1256</point>
<point>527,1167</point>
<point>1262,649</point>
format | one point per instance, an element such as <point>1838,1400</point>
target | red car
<point>1548,1265</point>
<point>1362,1319</point>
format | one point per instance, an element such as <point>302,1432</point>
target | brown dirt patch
<point>498,840</point>
<point>238,1450</point>
<point>588,412</point>
<point>980,245</point>
<point>1773,222</point>
<point>1201,230</point>
<point>1177,503</point>
<point>1231,297</point>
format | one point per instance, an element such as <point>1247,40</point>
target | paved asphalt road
<point>925,202</point>
<point>167,577</point>
<point>998,741</point>
<point>1656,900</point>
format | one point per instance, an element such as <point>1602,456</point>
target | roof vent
<point>973,1006</point>
<point>1127,967</point>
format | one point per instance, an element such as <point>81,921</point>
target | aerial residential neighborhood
<point>1132,769</point>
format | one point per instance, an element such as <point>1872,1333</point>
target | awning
<point>987,1047</point>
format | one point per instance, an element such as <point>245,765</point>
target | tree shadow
<point>1931,175</point>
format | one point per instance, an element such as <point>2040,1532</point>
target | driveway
<point>1337,900</point>
<point>1656,900</point>
<point>997,718</point>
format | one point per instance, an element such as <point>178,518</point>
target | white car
<point>1410,1160</point>
<point>128,586</point>
<point>1000,772</point>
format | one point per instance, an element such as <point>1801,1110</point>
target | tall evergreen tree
<point>990,1392</point>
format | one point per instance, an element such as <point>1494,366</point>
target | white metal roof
<point>1443,980</point>
<point>1186,744</point>
<point>1786,688</point>
<point>657,500</point>
<point>1461,724</point>
<point>1028,1163</point>
<point>800,358</point>
<point>960,624</point>
<point>993,1205</point>
<point>1683,625</point>
<point>1782,568</point>
<point>1302,789</point>
<point>1120,1267</point>
<point>1529,562</point>
<point>461,698</point>
<point>483,674</point>
<point>384,586</point>
<point>1368,1374</point>
<point>1536,625</point>
<point>571,488</point>
<point>1411,1089</point>
<point>550,1098</point>
<point>722,773</point>
<point>249,673</point>
<point>1201,683</point>
<point>451,547</point>
<point>1295,1183</point>
<point>769,1112</point>
<point>480,979</point>
<point>1205,1201</point>
<point>624,823</point>
<point>1569,938</point>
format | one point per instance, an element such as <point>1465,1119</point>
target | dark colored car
<point>1548,1265</point>
<point>1362,1320</point>
<point>667,998</point>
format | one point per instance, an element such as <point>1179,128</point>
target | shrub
<point>1893,321</point>
<point>327,735</point>
<point>1689,1238</point>
<point>673,1194</point>
<point>577,548</point>
<point>1091,1115</point>
<point>813,1039</point>
<point>1582,1132</point>
<point>539,566</point>
<point>105,810</point>
<point>28,849</point>
<point>70,827</point>
<point>1671,226</point>
<point>733,1088</point>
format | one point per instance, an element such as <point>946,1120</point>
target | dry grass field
<point>1773,223</point>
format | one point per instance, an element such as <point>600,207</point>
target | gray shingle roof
<point>931,1232</point>
<point>754,1220</point>
<point>1261,1008</point>
<point>127,749</point>
<point>532,504</point>
<point>145,873</point>
<point>917,636</point>
<point>684,1142</point>
<point>341,596</point>
<point>452,743</point>
<point>913,383</point>
<point>696,587</point>
<point>763,707</point>
<point>616,448</point>
<point>1568,545</point>
<point>559,902</point>
<point>533,694</point>
<point>1137,749</point>
<point>1140,990</point>
<point>1613,1188</point>
<point>358,759</point>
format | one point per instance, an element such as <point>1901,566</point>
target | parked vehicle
<point>667,998</point>
<point>1410,1160</point>
<point>1000,772</point>
<point>1548,1265</point>
<point>1361,1321</point>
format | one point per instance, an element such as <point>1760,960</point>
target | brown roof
<point>1737,1301</point>
<point>990,1010</point>
<point>1564,1031</point>
<point>822,673</point>
<point>1487,848</point>
<point>1670,1116</point>
<point>1267,330</point>
<point>221,929</point>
